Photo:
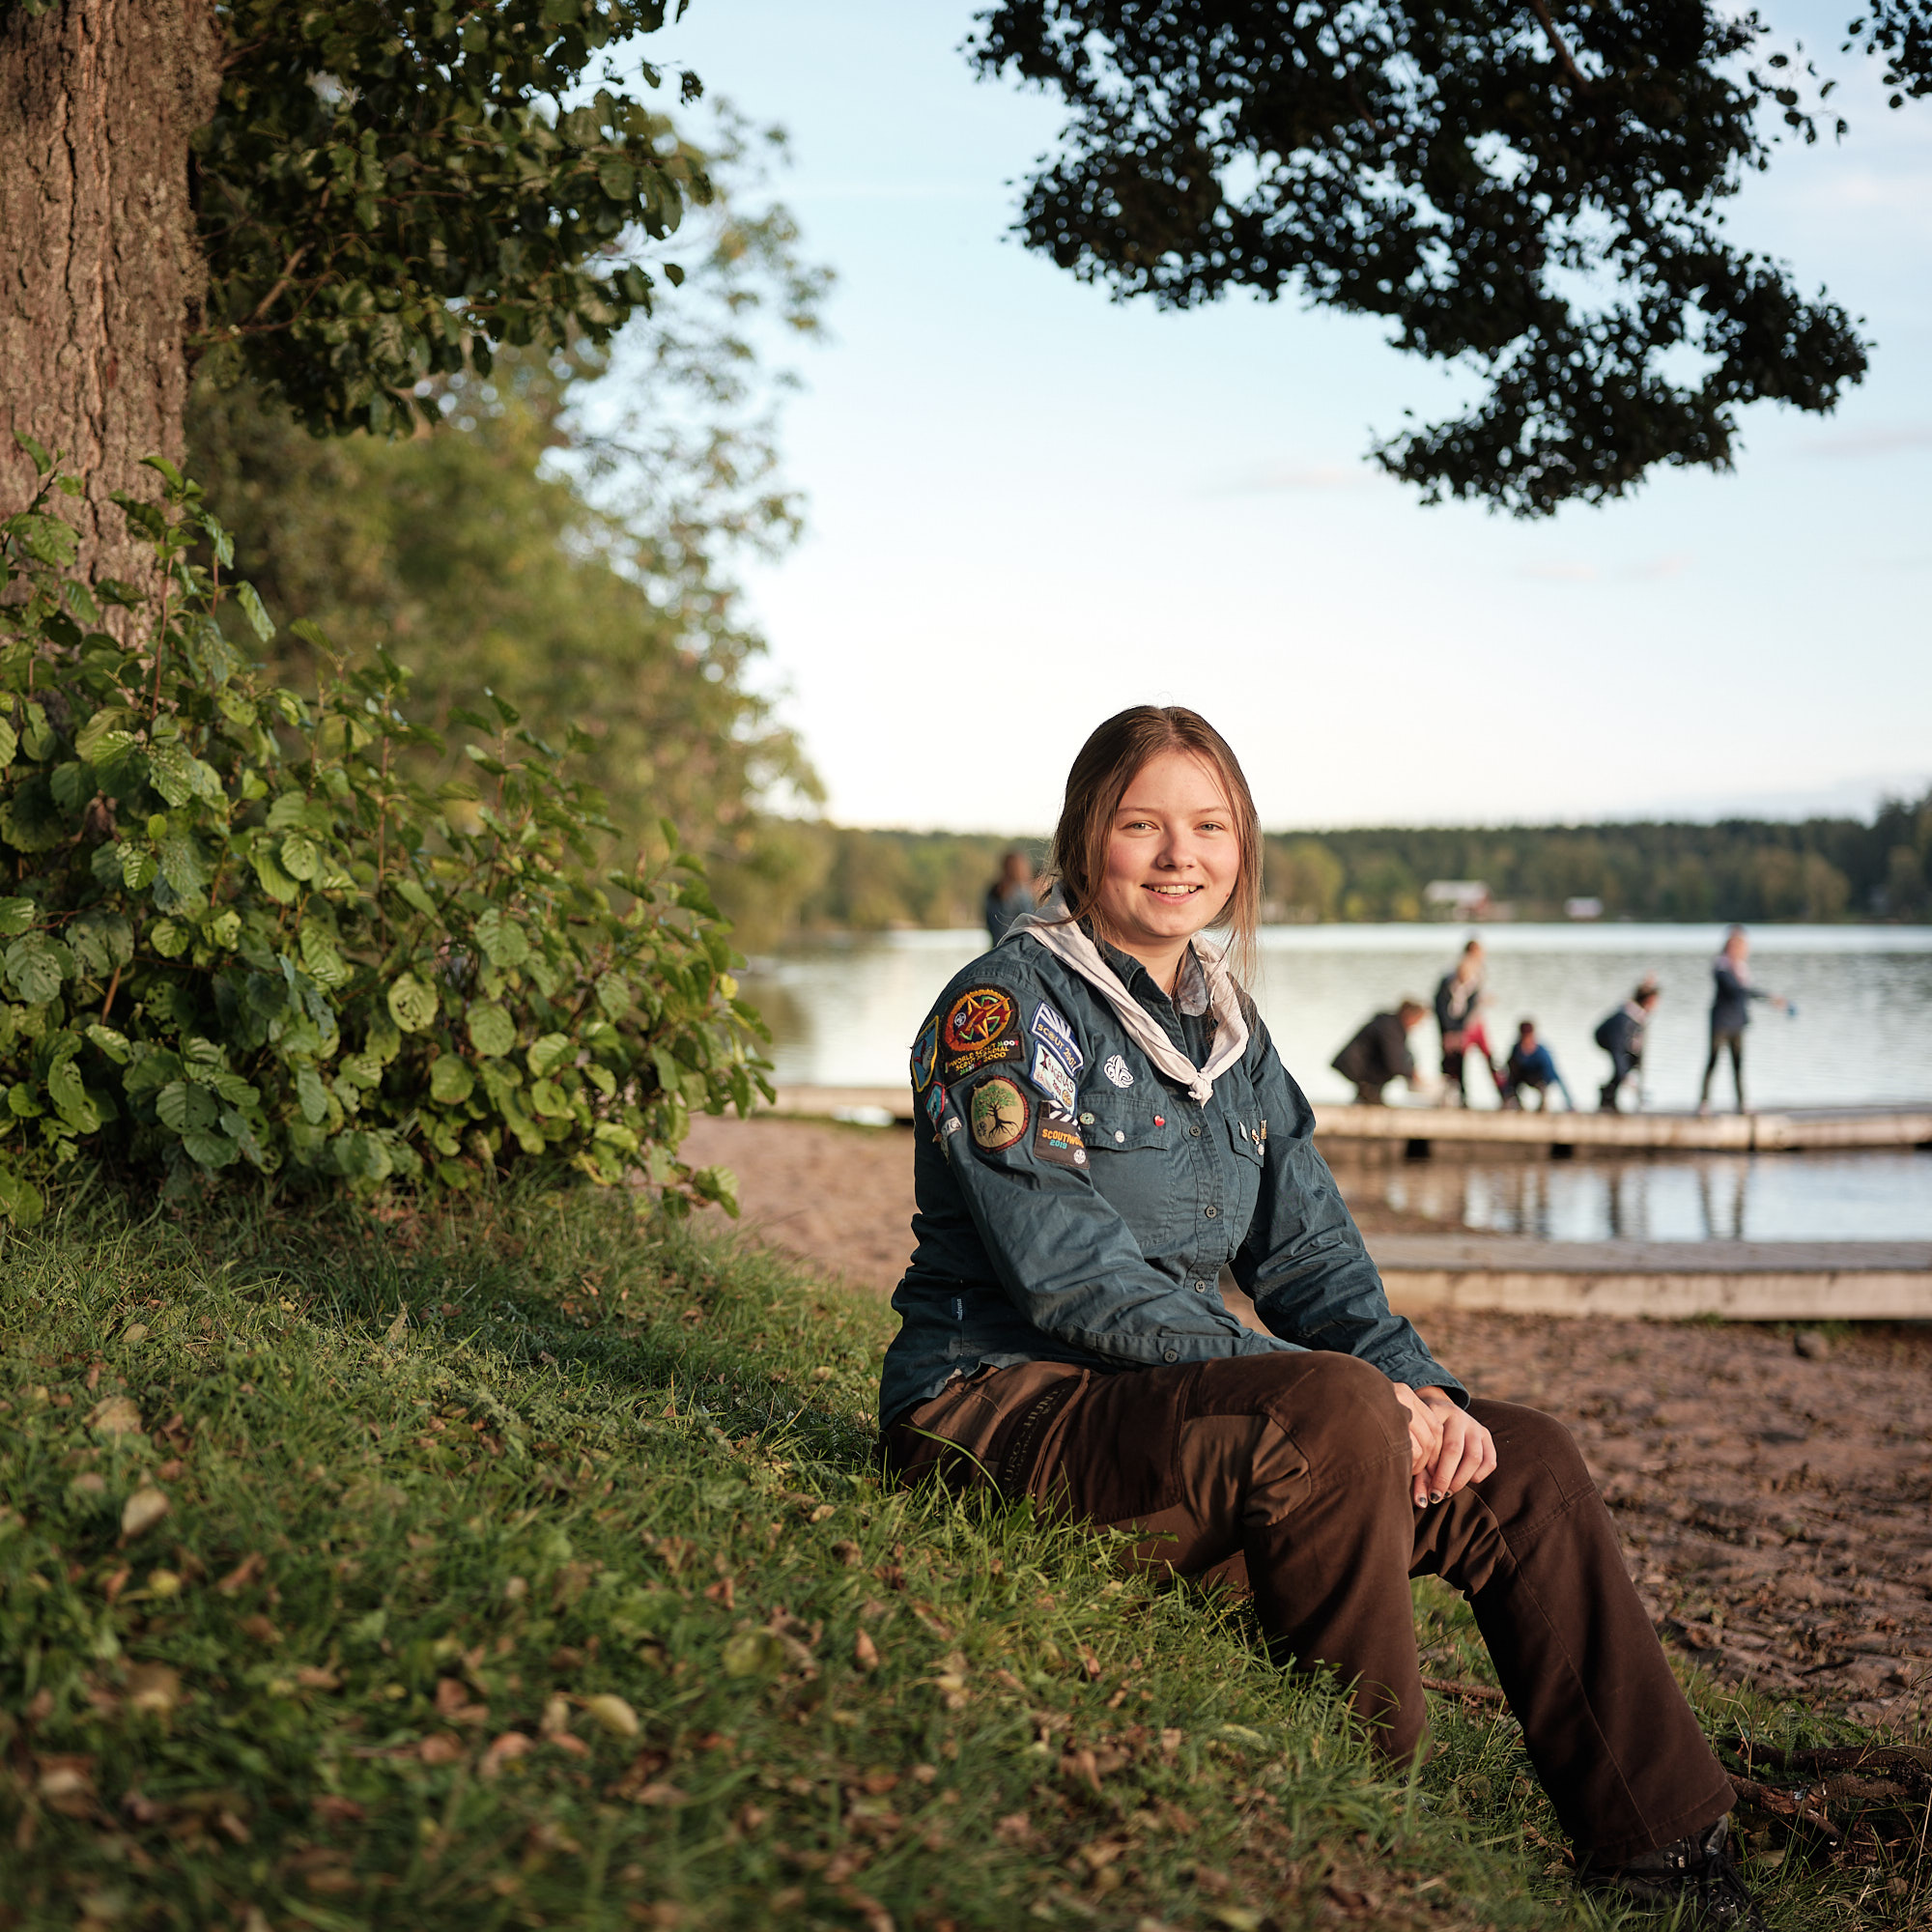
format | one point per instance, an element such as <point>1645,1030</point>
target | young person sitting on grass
<point>1105,1124</point>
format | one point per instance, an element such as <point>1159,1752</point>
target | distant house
<point>1583,908</point>
<point>1458,898</point>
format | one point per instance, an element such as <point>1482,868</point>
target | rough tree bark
<point>101,277</point>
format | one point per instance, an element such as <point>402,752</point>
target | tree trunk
<point>101,275</point>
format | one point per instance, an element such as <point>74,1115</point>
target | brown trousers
<point>1298,1468</point>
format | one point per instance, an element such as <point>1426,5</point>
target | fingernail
<point>1436,1495</point>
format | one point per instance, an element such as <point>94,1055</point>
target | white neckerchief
<point>1067,943</point>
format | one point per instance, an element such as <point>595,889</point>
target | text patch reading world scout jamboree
<point>980,1030</point>
<point>925,1053</point>
<point>1057,1138</point>
<point>1050,1077</point>
<point>999,1115</point>
<point>1049,1026</point>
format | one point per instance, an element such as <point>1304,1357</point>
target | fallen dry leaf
<point>243,1574</point>
<point>511,1744</point>
<point>142,1511</point>
<point>153,1688</point>
<point>865,1652</point>
<point>118,1415</point>
<point>440,1749</point>
<point>615,1715</point>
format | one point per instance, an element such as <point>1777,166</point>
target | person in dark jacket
<point>1010,895</point>
<point>1459,995</point>
<point>1106,1125</point>
<point>1732,993</point>
<point>1379,1053</point>
<point>1621,1035</point>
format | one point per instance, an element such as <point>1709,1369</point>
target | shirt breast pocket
<point>1129,1153</point>
<point>1249,1153</point>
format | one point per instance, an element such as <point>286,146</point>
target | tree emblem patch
<point>999,1114</point>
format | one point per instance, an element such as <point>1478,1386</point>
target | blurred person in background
<point>1533,1070</point>
<point>1621,1036</point>
<point>1459,995</point>
<point>1010,895</point>
<point>1379,1053</point>
<point>1732,993</point>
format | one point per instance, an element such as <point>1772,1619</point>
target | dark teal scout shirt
<point>1073,1205</point>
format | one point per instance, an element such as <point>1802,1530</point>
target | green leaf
<point>47,539</point>
<point>301,858</point>
<point>719,1185</point>
<point>113,1044</point>
<point>502,940</point>
<point>412,1006</point>
<point>450,1081</point>
<point>210,1150</point>
<point>259,620</point>
<point>326,965</point>
<point>10,743</point>
<point>546,1054</point>
<point>185,1107</point>
<point>15,917</point>
<point>36,966</point>
<point>311,1095</point>
<point>493,1033</point>
<point>275,882</point>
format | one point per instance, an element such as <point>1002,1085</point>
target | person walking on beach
<point>1105,1125</point>
<point>1732,993</point>
<point>1379,1053</point>
<point>1010,895</point>
<point>1621,1036</point>
<point>1458,994</point>
<point>1532,1070</point>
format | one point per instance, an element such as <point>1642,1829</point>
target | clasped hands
<point>1449,1449</point>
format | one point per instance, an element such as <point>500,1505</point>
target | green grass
<point>551,1475</point>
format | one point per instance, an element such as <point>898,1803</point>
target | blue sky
<point>1030,506</point>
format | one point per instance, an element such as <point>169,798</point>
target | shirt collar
<point>1190,992</point>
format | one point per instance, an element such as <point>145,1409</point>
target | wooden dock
<point>1418,1129</point>
<point>1743,1281</point>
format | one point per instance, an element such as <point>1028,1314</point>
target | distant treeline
<point>821,877</point>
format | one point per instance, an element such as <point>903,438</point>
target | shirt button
<point>1170,1356</point>
<point>1200,1288</point>
<point>1118,1136</point>
<point>1211,1212</point>
<point>1194,1133</point>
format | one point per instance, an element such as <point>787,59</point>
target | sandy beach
<point>1774,1505</point>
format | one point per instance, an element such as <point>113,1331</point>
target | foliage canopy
<point>390,191</point>
<point>1535,194</point>
<point>243,932</point>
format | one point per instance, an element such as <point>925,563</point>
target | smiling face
<point>1174,858</point>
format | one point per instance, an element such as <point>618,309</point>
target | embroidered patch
<point>1050,1077</point>
<point>935,1106</point>
<point>999,1115</point>
<point>925,1052</point>
<point>976,1018</point>
<point>1057,1138</point>
<point>1117,1072</point>
<point>989,1055</point>
<point>1049,1026</point>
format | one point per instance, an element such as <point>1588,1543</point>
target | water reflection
<point>1766,1197</point>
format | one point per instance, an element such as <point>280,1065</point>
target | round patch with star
<point>999,1114</point>
<point>978,1017</point>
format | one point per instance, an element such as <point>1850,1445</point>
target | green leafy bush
<point>241,935</point>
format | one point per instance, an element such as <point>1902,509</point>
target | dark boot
<point>1695,1874</point>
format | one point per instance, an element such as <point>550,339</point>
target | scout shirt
<point>1072,1205</point>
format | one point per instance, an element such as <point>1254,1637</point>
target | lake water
<point>843,1012</point>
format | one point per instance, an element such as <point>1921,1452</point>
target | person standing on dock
<point>1621,1036</point>
<point>1532,1068</point>
<point>1010,895</point>
<point>1379,1053</point>
<point>1458,994</point>
<point>1730,1012</point>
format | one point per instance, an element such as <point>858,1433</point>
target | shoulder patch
<point>1051,1078</point>
<point>1050,1026</point>
<point>1057,1138</point>
<point>1118,1071</point>
<point>935,1106</point>
<point>924,1054</point>
<point>978,1017</point>
<point>999,1114</point>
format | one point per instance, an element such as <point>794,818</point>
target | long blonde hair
<point>1101,773</point>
